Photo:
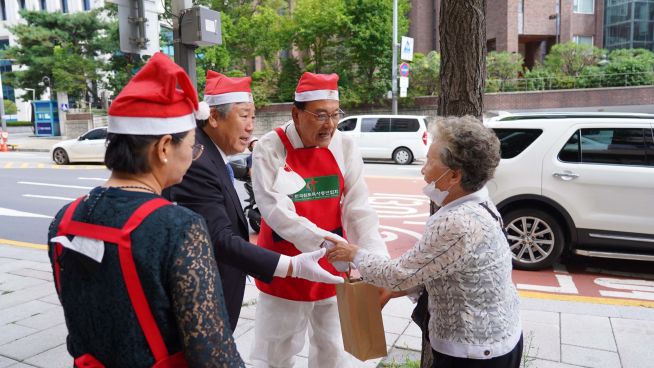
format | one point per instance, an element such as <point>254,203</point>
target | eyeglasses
<point>197,150</point>
<point>323,117</point>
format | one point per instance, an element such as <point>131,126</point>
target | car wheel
<point>60,157</point>
<point>535,238</point>
<point>403,156</point>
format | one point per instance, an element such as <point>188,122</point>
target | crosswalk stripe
<point>48,197</point>
<point>54,185</point>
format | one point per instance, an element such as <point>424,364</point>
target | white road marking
<point>566,286</point>
<point>14,213</point>
<point>55,185</point>
<point>48,197</point>
<point>414,222</point>
<point>98,179</point>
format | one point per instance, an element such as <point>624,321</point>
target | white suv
<point>402,138</point>
<point>577,182</point>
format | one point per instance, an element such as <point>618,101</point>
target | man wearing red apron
<point>308,181</point>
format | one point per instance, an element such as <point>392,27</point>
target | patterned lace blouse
<point>180,279</point>
<point>463,260</point>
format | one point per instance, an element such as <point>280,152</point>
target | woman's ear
<point>163,148</point>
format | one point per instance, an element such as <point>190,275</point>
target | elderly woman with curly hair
<point>463,260</point>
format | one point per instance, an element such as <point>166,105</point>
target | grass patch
<point>19,123</point>
<point>406,364</point>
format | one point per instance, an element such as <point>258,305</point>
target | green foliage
<point>10,107</point>
<point>502,69</point>
<point>264,86</point>
<point>79,37</point>
<point>425,74</point>
<point>539,78</point>
<point>288,78</point>
<point>570,58</point>
<point>629,67</point>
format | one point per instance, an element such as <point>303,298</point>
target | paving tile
<point>395,325</point>
<point>244,344</point>
<point>53,358</point>
<point>21,365</point>
<point>549,318</point>
<point>400,356</point>
<point>541,340</point>
<point>25,295</point>
<point>248,312</point>
<point>413,330</point>
<point>52,299</point>
<point>409,343</point>
<point>12,282</point>
<point>391,338</point>
<point>541,363</point>
<point>399,307</point>
<point>589,357</point>
<point>6,362</point>
<point>49,318</point>
<point>11,332</point>
<point>587,331</point>
<point>243,326</point>
<point>34,344</point>
<point>635,340</point>
<point>24,310</point>
<point>34,273</point>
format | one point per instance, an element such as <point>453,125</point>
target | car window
<point>347,125</point>
<point>514,141</point>
<point>404,125</point>
<point>616,146</point>
<point>376,125</point>
<point>96,134</point>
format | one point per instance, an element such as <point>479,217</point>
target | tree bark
<point>462,30</point>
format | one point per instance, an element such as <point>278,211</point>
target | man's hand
<point>384,296</point>
<point>306,266</point>
<point>342,251</point>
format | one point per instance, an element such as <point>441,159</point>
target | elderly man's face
<point>233,131</point>
<point>313,132</point>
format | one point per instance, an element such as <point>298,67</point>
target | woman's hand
<point>342,251</point>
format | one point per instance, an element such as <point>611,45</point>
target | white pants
<point>280,327</point>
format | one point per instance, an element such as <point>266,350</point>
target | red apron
<point>320,203</point>
<point>122,239</point>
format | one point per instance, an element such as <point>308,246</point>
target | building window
<point>584,6</point>
<point>583,40</point>
<point>86,4</point>
<point>64,6</point>
<point>4,9</point>
<point>44,5</point>
<point>21,3</point>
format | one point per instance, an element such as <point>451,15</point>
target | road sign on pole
<point>406,48</point>
<point>404,82</point>
<point>404,70</point>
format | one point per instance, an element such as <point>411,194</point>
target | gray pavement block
<point>244,344</point>
<point>53,358</point>
<point>25,295</point>
<point>49,318</point>
<point>21,365</point>
<point>635,340</point>
<point>586,357</point>
<point>24,310</point>
<point>6,362</point>
<point>395,325</point>
<point>541,340</point>
<point>243,326</point>
<point>413,330</point>
<point>587,331</point>
<point>407,342</point>
<point>11,332</point>
<point>51,299</point>
<point>391,338</point>
<point>551,318</point>
<point>399,307</point>
<point>541,363</point>
<point>10,282</point>
<point>34,273</point>
<point>34,344</point>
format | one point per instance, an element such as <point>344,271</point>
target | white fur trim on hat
<point>149,125</point>
<point>203,111</point>
<point>321,94</point>
<point>225,98</point>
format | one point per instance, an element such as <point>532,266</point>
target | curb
<point>32,150</point>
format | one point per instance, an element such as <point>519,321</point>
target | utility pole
<point>394,66</point>
<point>184,53</point>
<point>2,106</point>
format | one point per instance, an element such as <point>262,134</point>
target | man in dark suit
<point>208,189</point>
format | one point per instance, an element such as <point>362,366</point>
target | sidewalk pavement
<point>557,334</point>
<point>24,140</point>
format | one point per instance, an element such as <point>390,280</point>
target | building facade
<point>629,24</point>
<point>530,27</point>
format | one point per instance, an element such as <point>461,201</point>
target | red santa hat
<point>314,87</point>
<point>221,89</point>
<point>151,104</point>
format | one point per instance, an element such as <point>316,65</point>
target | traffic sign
<point>404,70</point>
<point>406,48</point>
<point>63,107</point>
<point>404,82</point>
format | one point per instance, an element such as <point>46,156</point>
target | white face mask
<point>435,194</point>
<point>288,182</point>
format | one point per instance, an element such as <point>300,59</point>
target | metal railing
<point>570,82</point>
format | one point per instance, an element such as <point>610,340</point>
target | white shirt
<point>359,220</point>
<point>463,260</point>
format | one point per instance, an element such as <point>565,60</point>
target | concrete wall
<point>272,116</point>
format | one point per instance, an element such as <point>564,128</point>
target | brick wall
<point>537,21</point>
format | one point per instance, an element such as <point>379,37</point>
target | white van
<point>402,138</point>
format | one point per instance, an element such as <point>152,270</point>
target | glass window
<point>64,6</point>
<point>583,6</point>
<point>21,3</point>
<point>44,5</point>
<point>86,4</point>
<point>616,146</point>
<point>3,5</point>
<point>583,40</point>
<point>375,125</point>
<point>404,125</point>
<point>96,134</point>
<point>514,141</point>
<point>347,125</point>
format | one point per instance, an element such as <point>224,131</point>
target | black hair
<point>300,104</point>
<point>128,153</point>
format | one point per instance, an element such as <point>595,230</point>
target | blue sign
<point>404,70</point>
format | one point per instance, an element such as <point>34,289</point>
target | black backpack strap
<point>496,217</point>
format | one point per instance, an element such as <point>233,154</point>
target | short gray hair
<point>223,111</point>
<point>469,146</point>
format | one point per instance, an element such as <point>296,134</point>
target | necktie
<point>230,172</point>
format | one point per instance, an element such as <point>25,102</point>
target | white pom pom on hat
<point>203,111</point>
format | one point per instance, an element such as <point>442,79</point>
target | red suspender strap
<point>133,283</point>
<point>284,138</point>
<point>63,224</point>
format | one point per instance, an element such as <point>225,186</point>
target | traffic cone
<point>4,136</point>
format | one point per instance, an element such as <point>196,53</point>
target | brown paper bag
<point>361,320</point>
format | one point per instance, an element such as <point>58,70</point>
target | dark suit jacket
<point>208,190</point>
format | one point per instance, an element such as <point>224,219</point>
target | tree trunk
<point>462,30</point>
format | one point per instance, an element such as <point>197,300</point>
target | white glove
<point>306,266</point>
